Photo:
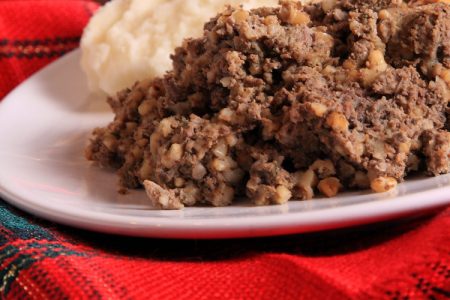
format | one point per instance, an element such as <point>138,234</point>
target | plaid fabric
<point>408,259</point>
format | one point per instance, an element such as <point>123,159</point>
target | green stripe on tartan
<point>20,227</point>
<point>30,253</point>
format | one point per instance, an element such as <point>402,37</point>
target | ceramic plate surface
<point>45,125</point>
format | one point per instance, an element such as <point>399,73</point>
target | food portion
<point>283,103</point>
<point>128,40</point>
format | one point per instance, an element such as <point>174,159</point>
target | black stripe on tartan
<point>51,54</point>
<point>41,42</point>
<point>65,44</point>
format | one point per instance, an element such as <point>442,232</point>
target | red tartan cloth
<point>408,259</point>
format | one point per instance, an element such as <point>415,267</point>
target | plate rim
<point>255,226</point>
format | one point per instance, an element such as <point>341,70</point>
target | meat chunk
<point>281,103</point>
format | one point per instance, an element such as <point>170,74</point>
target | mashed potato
<point>128,40</point>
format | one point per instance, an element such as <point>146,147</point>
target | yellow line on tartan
<point>13,272</point>
<point>10,274</point>
<point>6,254</point>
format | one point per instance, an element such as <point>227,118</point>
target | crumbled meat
<point>160,197</point>
<point>437,151</point>
<point>279,103</point>
<point>269,183</point>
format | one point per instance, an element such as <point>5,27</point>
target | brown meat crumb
<point>280,103</point>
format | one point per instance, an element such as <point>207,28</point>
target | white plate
<point>44,127</point>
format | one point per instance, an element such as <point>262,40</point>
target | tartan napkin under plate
<point>406,259</point>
